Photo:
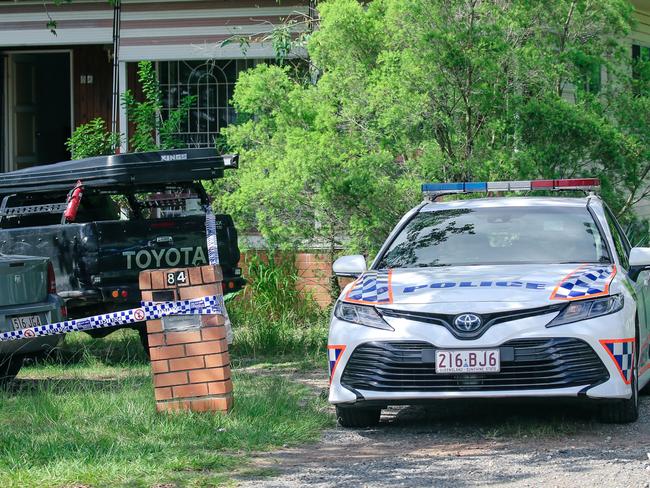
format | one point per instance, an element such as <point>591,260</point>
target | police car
<point>493,298</point>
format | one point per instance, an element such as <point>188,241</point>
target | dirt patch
<point>482,443</point>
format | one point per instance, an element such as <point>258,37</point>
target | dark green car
<point>27,298</point>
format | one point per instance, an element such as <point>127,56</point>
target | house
<point>59,68</point>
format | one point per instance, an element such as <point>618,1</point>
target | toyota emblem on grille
<point>467,322</point>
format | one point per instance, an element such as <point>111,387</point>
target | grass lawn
<point>88,418</point>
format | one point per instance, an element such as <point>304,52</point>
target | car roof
<point>507,202</point>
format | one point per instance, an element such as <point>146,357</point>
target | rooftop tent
<point>125,170</point>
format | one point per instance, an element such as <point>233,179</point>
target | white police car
<point>494,297</point>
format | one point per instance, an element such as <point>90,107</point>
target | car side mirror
<point>639,261</point>
<point>351,266</point>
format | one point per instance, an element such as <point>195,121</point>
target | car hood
<point>518,285</point>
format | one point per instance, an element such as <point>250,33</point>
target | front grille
<point>489,319</point>
<point>526,364</point>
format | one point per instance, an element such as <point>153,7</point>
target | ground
<point>514,444</point>
<point>87,420</point>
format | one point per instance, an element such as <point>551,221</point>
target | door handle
<point>162,241</point>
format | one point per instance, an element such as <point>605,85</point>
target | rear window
<point>497,235</point>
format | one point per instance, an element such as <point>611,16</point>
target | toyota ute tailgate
<point>128,247</point>
<point>23,280</point>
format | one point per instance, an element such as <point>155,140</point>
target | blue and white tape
<point>209,305</point>
<point>211,236</point>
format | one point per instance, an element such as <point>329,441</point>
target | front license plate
<point>25,322</point>
<point>468,361</point>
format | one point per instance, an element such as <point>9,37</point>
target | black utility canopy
<point>124,170</point>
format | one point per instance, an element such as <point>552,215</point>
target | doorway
<point>38,115</point>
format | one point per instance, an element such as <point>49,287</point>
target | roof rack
<point>432,191</point>
<point>132,170</point>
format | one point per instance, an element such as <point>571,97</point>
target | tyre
<point>623,411</point>
<point>357,417</point>
<point>9,368</point>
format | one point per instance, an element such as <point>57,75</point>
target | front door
<point>38,106</point>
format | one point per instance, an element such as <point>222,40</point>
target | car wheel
<point>623,411</point>
<point>9,368</point>
<point>357,417</point>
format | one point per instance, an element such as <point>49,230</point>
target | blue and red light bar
<point>584,184</point>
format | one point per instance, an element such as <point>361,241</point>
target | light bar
<point>496,186</point>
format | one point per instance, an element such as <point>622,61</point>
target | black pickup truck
<point>102,220</point>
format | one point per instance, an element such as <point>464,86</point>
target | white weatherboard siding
<point>153,30</point>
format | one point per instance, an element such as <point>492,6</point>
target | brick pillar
<point>189,353</point>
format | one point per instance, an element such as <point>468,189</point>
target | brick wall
<point>191,368</point>
<point>314,273</point>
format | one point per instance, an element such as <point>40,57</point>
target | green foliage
<point>89,419</point>
<point>413,90</point>
<point>152,130</point>
<point>272,317</point>
<point>92,139</point>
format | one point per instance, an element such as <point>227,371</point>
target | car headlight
<point>360,314</point>
<point>587,309</point>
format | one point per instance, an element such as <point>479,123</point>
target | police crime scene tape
<point>209,305</point>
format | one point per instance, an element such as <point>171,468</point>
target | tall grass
<point>271,317</point>
<point>86,417</point>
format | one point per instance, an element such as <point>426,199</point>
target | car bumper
<point>345,338</point>
<point>49,311</point>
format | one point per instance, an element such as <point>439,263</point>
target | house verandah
<point>51,82</point>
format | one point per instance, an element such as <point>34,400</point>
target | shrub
<point>272,317</point>
<point>92,139</point>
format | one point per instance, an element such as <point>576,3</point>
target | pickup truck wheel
<point>357,417</point>
<point>144,337</point>
<point>9,368</point>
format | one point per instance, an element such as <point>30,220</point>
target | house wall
<point>92,96</point>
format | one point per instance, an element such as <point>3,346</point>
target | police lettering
<point>165,258</point>
<point>478,284</point>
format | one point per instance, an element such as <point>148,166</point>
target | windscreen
<point>497,235</point>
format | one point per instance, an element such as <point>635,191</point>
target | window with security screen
<point>211,83</point>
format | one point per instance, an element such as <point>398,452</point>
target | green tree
<point>409,91</point>
<point>92,139</point>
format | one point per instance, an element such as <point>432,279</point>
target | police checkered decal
<point>333,356</point>
<point>211,235</point>
<point>587,281</point>
<point>372,287</point>
<point>622,353</point>
<point>210,305</point>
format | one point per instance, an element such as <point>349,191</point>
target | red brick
<point>147,296</point>
<point>156,340</point>
<point>193,362</point>
<point>170,379</point>
<point>163,393</point>
<point>182,337</point>
<point>220,387</point>
<point>167,352</point>
<point>209,347</point>
<point>211,404</point>
<point>213,333</point>
<point>145,280</point>
<point>217,360</point>
<point>173,406</point>
<point>160,366</point>
<point>211,374</point>
<point>212,320</point>
<point>211,274</point>
<point>154,326</point>
<point>195,276</point>
<point>191,390</point>
<point>199,291</point>
<point>157,280</point>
